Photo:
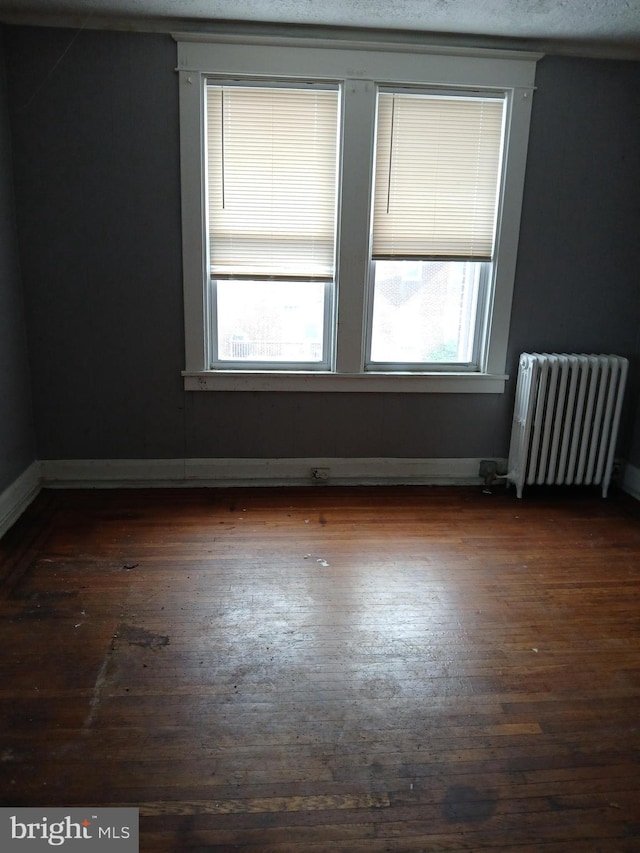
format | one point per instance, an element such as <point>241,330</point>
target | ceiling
<point>582,27</point>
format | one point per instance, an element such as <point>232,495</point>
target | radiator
<point>565,419</point>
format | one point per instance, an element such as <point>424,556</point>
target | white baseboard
<point>136,473</point>
<point>631,481</point>
<point>17,497</point>
<point>159,473</point>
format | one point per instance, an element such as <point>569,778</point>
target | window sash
<point>472,328</point>
<point>437,176</point>
<point>272,154</point>
<point>242,361</point>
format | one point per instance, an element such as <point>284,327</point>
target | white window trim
<point>360,68</point>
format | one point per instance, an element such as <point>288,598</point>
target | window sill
<point>424,383</point>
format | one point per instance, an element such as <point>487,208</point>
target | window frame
<point>360,69</point>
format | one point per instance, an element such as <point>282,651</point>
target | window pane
<point>424,311</point>
<point>270,321</point>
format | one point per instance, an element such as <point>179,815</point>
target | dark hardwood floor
<point>324,669</point>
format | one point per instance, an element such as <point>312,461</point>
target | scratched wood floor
<point>318,670</point>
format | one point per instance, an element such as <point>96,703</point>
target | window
<point>437,177</point>
<point>350,217</point>
<point>271,208</point>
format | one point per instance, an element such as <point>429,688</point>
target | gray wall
<point>17,441</point>
<point>97,183</point>
<point>577,283</point>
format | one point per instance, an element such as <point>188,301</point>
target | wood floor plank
<point>328,669</point>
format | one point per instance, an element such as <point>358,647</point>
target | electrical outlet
<point>320,475</point>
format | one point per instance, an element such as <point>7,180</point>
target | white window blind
<point>437,176</point>
<point>272,174</point>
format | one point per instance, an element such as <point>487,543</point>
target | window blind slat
<point>272,170</point>
<point>437,175</point>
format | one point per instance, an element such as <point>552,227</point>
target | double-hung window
<point>350,216</point>
<point>437,175</point>
<point>271,190</point>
